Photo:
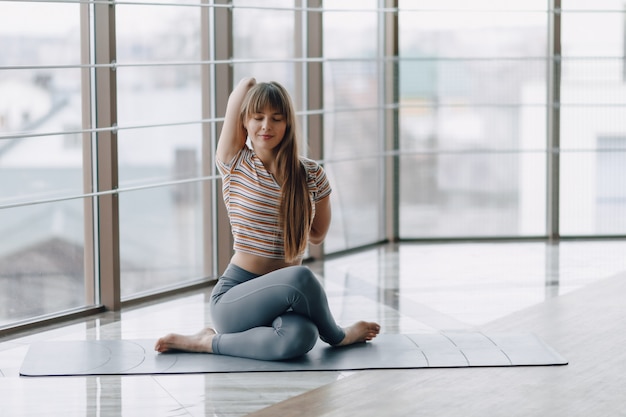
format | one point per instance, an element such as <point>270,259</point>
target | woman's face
<point>266,129</point>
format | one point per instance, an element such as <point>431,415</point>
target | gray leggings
<point>271,317</point>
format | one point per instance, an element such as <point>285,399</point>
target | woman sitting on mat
<point>266,305</point>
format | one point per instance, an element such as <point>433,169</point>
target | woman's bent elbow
<point>316,238</point>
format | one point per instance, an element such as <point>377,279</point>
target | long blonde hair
<point>296,213</point>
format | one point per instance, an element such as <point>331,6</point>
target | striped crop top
<point>252,198</point>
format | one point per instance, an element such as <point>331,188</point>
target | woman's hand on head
<point>246,82</point>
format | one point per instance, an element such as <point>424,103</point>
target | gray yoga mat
<point>387,351</point>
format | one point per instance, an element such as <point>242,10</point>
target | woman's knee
<point>298,335</point>
<point>303,277</point>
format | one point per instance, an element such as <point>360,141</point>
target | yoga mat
<point>387,351</point>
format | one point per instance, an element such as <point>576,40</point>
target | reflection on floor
<point>407,288</point>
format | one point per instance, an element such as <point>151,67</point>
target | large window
<point>433,120</point>
<point>159,109</point>
<point>593,127</point>
<point>264,42</point>
<point>42,169</point>
<point>472,118</point>
<point>352,122</point>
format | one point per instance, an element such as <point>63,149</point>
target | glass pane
<point>472,79</point>
<point>157,154</point>
<point>355,23</point>
<point>42,265</point>
<point>593,128</point>
<point>352,123</point>
<point>264,31</point>
<point>39,33</point>
<point>160,154</point>
<point>593,189</point>
<point>38,168</point>
<point>149,33</point>
<point>593,29</point>
<point>160,228</point>
<point>40,101</point>
<point>474,5</point>
<point>356,180</point>
<point>355,203</point>
<point>593,81</point>
<point>463,82</point>
<point>42,268</point>
<point>596,5</point>
<point>160,238</point>
<point>158,95</point>
<point>593,34</point>
<point>582,126</point>
<point>610,185</point>
<point>163,93</point>
<point>281,72</point>
<point>471,32</point>
<point>472,194</point>
<point>449,128</point>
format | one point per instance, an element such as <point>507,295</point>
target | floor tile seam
<point>171,395</point>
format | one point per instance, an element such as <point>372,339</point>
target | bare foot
<point>361,331</point>
<point>199,342</point>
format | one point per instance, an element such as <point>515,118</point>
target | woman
<point>266,305</point>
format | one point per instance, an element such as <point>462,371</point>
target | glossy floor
<point>407,288</point>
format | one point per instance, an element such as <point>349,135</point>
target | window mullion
<point>106,148</point>
<point>222,43</point>
<point>553,120</point>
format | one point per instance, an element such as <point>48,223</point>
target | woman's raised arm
<point>233,135</point>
